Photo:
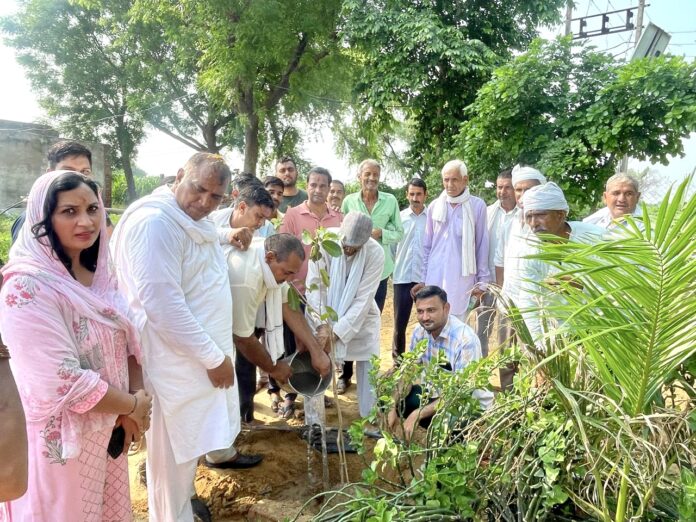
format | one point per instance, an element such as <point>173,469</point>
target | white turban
<point>545,197</point>
<point>524,173</point>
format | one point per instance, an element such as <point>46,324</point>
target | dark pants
<point>485,317</point>
<point>403,304</point>
<point>380,299</point>
<point>290,346</point>
<point>246,385</point>
<point>506,336</point>
<point>411,403</point>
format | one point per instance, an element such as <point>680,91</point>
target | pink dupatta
<point>34,259</point>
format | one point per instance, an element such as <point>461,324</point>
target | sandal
<point>275,402</point>
<point>287,410</point>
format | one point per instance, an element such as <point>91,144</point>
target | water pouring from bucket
<point>305,380</point>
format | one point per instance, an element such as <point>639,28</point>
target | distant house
<point>23,148</point>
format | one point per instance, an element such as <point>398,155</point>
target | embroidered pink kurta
<point>68,343</point>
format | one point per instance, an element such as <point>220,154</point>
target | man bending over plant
<point>449,340</point>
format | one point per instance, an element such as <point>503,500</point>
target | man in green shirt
<point>383,209</point>
<point>286,170</point>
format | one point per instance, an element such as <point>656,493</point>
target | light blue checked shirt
<point>460,345</point>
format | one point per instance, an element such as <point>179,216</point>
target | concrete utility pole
<point>623,166</point>
<point>639,21</point>
<point>569,17</point>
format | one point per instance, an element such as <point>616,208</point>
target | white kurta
<point>602,218</point>
<point>534,271</point>
<point>359,327</point>
<point>175,278</point>
<point>498,221</point>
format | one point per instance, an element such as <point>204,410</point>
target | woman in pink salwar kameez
<point>75,356</point>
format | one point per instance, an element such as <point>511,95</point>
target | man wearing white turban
<point>510,248</point>
<point>545,212</point>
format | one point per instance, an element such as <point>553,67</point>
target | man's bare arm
<point>257,355</point>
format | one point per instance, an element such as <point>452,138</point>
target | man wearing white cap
<point>510,247</point>
<point>545,212</point>
<point>455,245</point>
<point>354,278</point>
<point>621,198</point>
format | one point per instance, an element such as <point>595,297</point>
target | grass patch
<point>5,237</point>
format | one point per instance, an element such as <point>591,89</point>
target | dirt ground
<point>282,483</point>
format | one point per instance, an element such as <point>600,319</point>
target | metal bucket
<point>305,380</point>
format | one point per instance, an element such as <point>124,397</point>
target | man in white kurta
<point>172,270</point>
<point>498,217</point>
<point>511,247</point>
<point>545,211</point>
<point>621,199</point>
<point>354,277</point>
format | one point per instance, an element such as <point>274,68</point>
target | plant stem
<point>623,493</point>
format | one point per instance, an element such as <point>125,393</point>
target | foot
<point>342,386</point>
<point>275,402</point>
<point>260,385</point>
<point>287,410</point>
<point>201,513</point>
<point>241,461</point>
<point>328,402</point>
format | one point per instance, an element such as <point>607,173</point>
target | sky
<point>160,154</point>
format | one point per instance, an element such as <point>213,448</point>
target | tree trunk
<point>125,145</point>
<point>251,143</point>
<point>210,137</point>
<point>130,182</point>
<point>108,180</point>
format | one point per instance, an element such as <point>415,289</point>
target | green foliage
<point>263,63</point>
<point>574,112</point>
<point>144,185</point>
<point>421,65</point>
<point>585,433</point>
<point>5,237</point>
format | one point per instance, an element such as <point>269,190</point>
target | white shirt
<point>174,276</point>
<point>602,218</point>
<point>512,246</point>
<point>498,219</point>
<point>247,286</point>
<point>535,271</point>
<point>359,327</point>
<point>408,267</point>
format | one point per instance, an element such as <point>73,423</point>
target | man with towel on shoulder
<point>354,278</point>
<point>455,245</point>
<point>258,282</point>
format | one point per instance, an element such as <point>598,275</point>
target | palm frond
<point>635,313</point>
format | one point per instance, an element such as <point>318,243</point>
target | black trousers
<point>246,385</point>
<point>403,304</point>
<point>290,346</point>
<point>380,299</point>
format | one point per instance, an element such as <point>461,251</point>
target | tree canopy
<point>422,64</point>
<point>573,112</point>
<point>77,65</point>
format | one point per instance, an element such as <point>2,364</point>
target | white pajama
<point>169,484</point>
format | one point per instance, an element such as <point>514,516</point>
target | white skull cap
<point>356,229</point>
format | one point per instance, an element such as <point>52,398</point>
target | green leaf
<point>325,277</point>
<point>331,314</point>
<point>332,248</point>
<point>293,298</point>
